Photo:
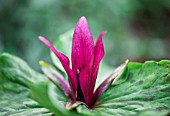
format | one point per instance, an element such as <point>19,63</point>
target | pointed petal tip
<point>44,40</point>
<point>82,18</point>
<point>125,63</point>
<point>104,32</point>
<point>41,63</point>
<point>127,60</point>
<point>41,38</point>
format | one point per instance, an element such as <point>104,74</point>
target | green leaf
<point>16,103</point>
<point>17,70</point>
<point>13,97</point>
<point>19,83</point>
<point>147,87</point>
<point>154,113</point>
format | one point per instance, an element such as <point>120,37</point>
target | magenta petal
<point>64,86</point>
<point>72,79</point>
<point>106,83</point>
<point>88,75</point>
<point>64,61</point>
<point>82,45</point>
<point>84,80</point>
<point>98,55</point>
<point>98,50</point>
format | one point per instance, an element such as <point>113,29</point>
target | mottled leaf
<point>19,83</point>
<point>147,87</point>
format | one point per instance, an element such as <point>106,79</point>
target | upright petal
<point>88,75</point>
<point>84,80</point>
<point>64,61</point>
<point>82,45</point>
<point>98,56</point>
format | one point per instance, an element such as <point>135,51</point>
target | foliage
<point>142,89</point>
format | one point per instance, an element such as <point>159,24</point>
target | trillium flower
<point>85,58</point>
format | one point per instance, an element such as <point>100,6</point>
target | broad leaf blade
<point>14,101</point>
<point>14,72</point>
<point>147,87</point>
<point>17,70</point>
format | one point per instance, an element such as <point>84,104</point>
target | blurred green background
<point>137,30</point>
